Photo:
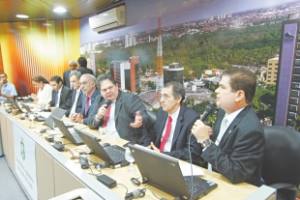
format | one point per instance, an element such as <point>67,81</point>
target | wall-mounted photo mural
<point>197,51</point>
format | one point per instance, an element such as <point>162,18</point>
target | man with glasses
<point>88,100</point>
<point>121,114</point>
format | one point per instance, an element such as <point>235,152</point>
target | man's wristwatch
<point>206,143</point>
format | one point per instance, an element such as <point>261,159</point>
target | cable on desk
<point>124,186</point>
<point>156,196</point>
<point>191,164</point>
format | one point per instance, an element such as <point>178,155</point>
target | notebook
<point>57,113</point>
<point>163,172</point>
<point>114,154</point>
<point>69,133</point>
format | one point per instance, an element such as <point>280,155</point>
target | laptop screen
<point>93,143</point>
<point>164,172</point>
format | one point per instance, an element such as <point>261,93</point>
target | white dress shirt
<point>44,95</point>
<point>111,126</point>
<point>73,109</point>
<point>168,145</point>
<point>58,97</point>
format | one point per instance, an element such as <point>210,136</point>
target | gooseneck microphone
<point>210,108</point>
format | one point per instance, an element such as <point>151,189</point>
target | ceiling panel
<point>42,9</point>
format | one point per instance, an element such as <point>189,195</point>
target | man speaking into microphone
<point>122,114</point>
<point>235,146</point>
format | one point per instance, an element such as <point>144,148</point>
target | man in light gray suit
<point>122,114</point>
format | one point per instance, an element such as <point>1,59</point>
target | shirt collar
<point>230,117</point>
<point>175,114</point>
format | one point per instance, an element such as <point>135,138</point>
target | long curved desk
<point>43,172</point>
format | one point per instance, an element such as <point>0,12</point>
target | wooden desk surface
<point>124,174</point>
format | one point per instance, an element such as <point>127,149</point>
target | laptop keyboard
<point>199,185</point>
<point>117,155</point>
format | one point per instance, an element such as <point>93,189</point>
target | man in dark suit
<point>73,65</point>
<point>122,114</point>
<point>83,66</point>
<point>61,95</point>
<point>76,93</point>
<point>179,119</point>
<point>88,100</point>
<point>235,146</point>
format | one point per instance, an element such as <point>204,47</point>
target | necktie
<point>166,135</point>
<point>106,117</point>
<point>87,105</point>
<point>223,127</point>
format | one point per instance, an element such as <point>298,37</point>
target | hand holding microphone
<point>103,109</point>
<point>200,130</point>
<point>138,120</point>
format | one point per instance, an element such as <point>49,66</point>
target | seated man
<point>235,147</point>
<point>122,114</point>
<point>61,95</point>
<point>173,123</point>
<point>89,100</point>
<point>8,90</point>
<point>76,92</point>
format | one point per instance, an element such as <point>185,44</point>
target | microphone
<point>107,103</point>
<point>210,108</point>
<point>138,193</point>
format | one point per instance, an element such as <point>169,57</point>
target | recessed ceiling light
<point>59,10</point>
<point>22,16</point>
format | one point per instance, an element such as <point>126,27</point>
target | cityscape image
<point>196,52</point>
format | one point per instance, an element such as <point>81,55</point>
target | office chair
<point>281,165</point>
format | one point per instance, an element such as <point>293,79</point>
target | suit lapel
<point>232,126</point>
<point>178,126</point>
<point>161,127</point>
<point>118,107</point>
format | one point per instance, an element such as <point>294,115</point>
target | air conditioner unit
<point>109,19</point>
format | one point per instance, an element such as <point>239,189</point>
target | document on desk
<point>188,170</point>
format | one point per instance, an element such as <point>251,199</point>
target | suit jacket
<point>185,121</point>
<point>85,70</point>
<point>65,98</point>
<point>240,152</point>
<point>66,78</point>
<point>78,105</point>
<point>92,110</point>
<point>126,106</point>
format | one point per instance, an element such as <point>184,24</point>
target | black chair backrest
<point>282,155</point>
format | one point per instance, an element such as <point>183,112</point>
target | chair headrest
<point>282,155</point>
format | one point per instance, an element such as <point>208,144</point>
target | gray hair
<point>75,73</point>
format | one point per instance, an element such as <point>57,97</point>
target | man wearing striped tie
<point>235,146</point>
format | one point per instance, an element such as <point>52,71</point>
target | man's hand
<point>201,131</point>
<point>101,112</point>
<point>154,148</point>
<point>138,120</point>
<point>77,117</point>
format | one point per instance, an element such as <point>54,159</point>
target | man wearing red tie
<point>173,123</point>
<point>122,114</point>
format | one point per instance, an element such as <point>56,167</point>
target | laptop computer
<point>70,133</point>
<point>58,113</point>
<point>114,154</point>
<point>163,171</point>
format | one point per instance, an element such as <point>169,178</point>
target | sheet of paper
<point>187,170</point>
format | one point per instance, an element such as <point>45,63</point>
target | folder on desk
<point>163,172</point>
